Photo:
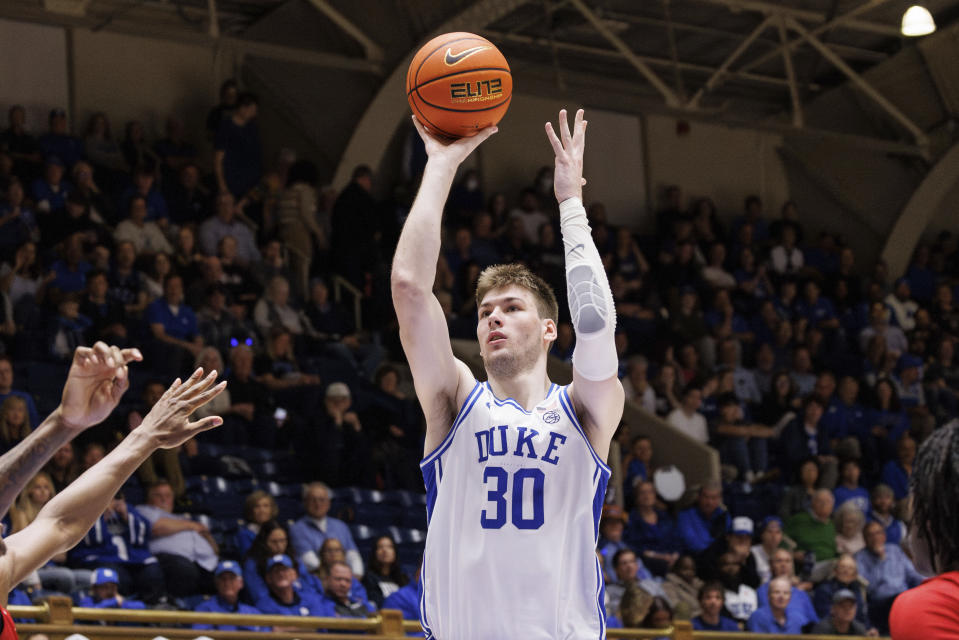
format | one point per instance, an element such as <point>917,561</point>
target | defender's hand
<point>568,178</point>
<point>168,423</point>
<point>97,380</point>
<point>451,151</point>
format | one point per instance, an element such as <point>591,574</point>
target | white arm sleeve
<point>590,298</point>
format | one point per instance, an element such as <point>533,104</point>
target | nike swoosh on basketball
<point>456,58</point>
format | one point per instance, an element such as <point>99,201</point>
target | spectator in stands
<point>105,594</point>
<point>225,223</point>
<point>711,605</point>
<point>842,617</point>
<point>126,282</point>
<point>229,91</point>
<point>881,511</point>
<point>668,389</point>
<point>879,327</point>
<point>102,208</point>
<point>253,409</point>
<point>785,258</point>
<point>50,192</point>
<point>343,440</point>
<point>638,463</point>
<point>187,259</point>
<point>173,326</point>
<point>396,423</point>
<point>800,605</point>
<point>92,454</point>
<point>637,386</point>
<point>774,618</point>
<point>383,576</point>
<point>185,549</point>
<point>687,419</point>
<point>274,311</point>
<point>739,598</point>
<point>136,151</point>
<point>107,316</point>
<point>887,422</point>
<point>700,525</point>
<point>770,532</point>
<point>848,490</point>
<point>297,225</point>
<point>896,472</point>
<point>338,590</point>
<point>845,419</point>
<point>238,156</point>
<point>283,598</point>
<point>309,532</point>
<point>356,229</point>
<point>653,531</point>
<point>901,306</point>
<point>272,539</point>
<point>17,142</point>
<point>888,572</point>
<point>58,141</point>
<point>682,586</point>
<point>7,390</point>
<point>100,147</point>
<point>845,578</point>
<point>803,438</point>
<point>744,446</point>
<point>611,526</point>
<point>175,151</point>
<point>849,520</point>
<point>63,468</point>
<point>159,268</point>
<point>145,235</point>
<point>144,180</point>
<point>14,422</point>
<point>229,582</point>
<point>71,269</point>
<point>945,311</point>
<point>627,571</point>
<point>119,542</point>
<point>813,530</point>
<point>187,199</point>
<point>335,325</point>
<point>737,541</point>
<point>18,222</point>
<point>67,330</point>
<point>258,508</point>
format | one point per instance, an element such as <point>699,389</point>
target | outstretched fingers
<point>553,140</point>
<point>204,424</point>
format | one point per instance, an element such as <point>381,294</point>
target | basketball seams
<point>436,106</point>
<point>446,43</point>
<point>420,115</point>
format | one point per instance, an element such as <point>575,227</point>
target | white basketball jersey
<point>513,502</point>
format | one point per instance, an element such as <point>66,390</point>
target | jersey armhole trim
<point>460,416</point>
<point>567,405</point>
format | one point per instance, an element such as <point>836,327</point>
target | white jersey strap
<point>590,298</point>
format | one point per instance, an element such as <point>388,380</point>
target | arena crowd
<point>814,375</point>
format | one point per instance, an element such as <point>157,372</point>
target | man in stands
<point>338,588</point>
<point>813,530</point>
<point>225,223</point>
<point>700,525</point>
<point>687,418</point>
<point>888,572</point>
<point>229,582</point>
<point>711,603</point>
<point>6,389</point>
<point>237,159</point>
<point>145,234</point>
<point>176,336</point>
<point>105,593</point>
<point>842,618</point>
<point>58,141</point>
<point>774,618</point>
<point>284,599</point>
<point>308,533</point>
<point>184,548</point>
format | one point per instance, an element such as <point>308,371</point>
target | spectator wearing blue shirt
<point>775,617</point>
<point>817,310</point>
<point>273,539</point>
<point>119,541</point>
<point>258,508</point>
<point>845,417</point>
<point>229,582</point>
<point>849,490</point>
<point>143,185</point>
<point>800,608</point>
<point>845,578</point>
<point>653,531</point>
<point>70,272</point>
<point>611,527</point>
<point>176,338</point>
<point>105,594</point>
<point>50,192</point>
<point>888,572</point>
<point>339,591</point>
<point>6,389</point>
<point>407,601</point>
<point>700,525</point>
<point>711,600</point>
<point>309,532</point>
<point>223,224</point>
<point>58,141</point>
<point>896,472</point>
<point>883,501</point>
<point>283,598</point>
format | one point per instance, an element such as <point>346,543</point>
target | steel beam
<point>790,72</point>
<point>803,14</point>
<point>731,58</point>
<point>668,95</point>
<point>373,51</point>
<point>860,82</point>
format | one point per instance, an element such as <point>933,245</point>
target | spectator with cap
<point>775,617</point>
<point>845,577</point>
<point>105,594</point>
<point>308,533</point>
<point>700,525</point>
<point>881,511</point>
<point>738,541</point>
<point>229,582</point>
<point>770,532</point>
<point>888,571</point>
<point>339,584</point>
<point>274,539</point>
<point>283,598</point>
<point>842,617</point>
<point>58,141</point>
<point>711,603</point>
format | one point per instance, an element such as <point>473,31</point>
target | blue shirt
<point>762,621</point>
<point>725,624</point>
<point>858,496</point>
<point>188,544</point>
<point>217,605</point>
<point>817,312</point>
<point>841,420</point>
<point>659,537</point>
<point>181,325</point>
<point>304,604</point>
<point>406,599</point>
<point>696,532</point>
<point>70,280</point>
<point>895,528</point>
<point>156,204</point>
<point>66,147</point>
<point>129,543</point>
<point>306,536</point>
<point>894,474</point>
<point>800,607</point>
<point>889,576</point>
<point>111,603</point>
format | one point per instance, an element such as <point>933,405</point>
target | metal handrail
<point>339,283</point>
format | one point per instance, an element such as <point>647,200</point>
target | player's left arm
<point>596,391</point>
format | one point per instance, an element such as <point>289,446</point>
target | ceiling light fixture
<point>917,21</point>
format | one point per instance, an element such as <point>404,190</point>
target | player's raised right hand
<point>452,152</point>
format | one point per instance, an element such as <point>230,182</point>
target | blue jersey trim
<point>513,403</point>
<point>601,600</point>
<point>423,623</point>
<point>463,412</point>
<point>568,408</point>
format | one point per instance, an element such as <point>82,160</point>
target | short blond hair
<point>504,275</point>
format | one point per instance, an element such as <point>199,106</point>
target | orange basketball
<point>457,84</point>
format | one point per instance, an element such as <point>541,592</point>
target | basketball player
<point>95,383</point>
<point>515,466</point>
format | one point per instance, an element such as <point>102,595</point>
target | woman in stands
<point>931,610</point>
<point>259,508</point>
<point>798,497</point>
<point>272,539</point>
<point>14,422</point>
<point>383,574</point>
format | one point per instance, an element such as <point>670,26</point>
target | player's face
<point>512,336</point>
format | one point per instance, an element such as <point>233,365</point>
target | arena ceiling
<point>743,59</point>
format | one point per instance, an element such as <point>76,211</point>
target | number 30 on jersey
<point>505,496</point>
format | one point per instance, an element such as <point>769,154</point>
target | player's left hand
<point>96,381</point>
<point>453,152</point>
<point>568,178</point>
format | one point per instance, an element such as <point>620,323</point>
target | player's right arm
<point>442,382</point>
